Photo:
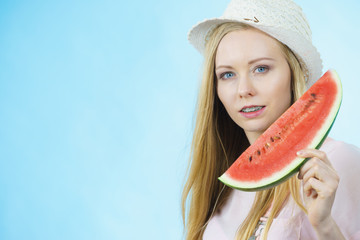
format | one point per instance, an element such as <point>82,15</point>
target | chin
<point>255,130</point>
<point>256,127</point>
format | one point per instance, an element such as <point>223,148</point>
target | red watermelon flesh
<point>272,158</point>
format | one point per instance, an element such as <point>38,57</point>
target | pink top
<point>292,223</point>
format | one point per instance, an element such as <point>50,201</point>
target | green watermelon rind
<point>315,144</point>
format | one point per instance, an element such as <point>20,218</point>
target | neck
<point>252,136</point>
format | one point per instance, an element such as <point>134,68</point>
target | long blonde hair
<point>217,142</point>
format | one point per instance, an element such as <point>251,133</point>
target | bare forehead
<point>248,43</point>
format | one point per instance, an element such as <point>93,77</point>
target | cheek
<point>224,95</point>
<point>278,93</point>
<point>287,90</point>
<point>220,93</point>
<point>284,94</point>
<point>224,99</point>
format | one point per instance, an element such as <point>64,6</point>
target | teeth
<point>252,109</point>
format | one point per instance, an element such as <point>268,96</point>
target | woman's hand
<point>320,182</point>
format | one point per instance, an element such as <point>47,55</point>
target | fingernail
<point>300,152</point>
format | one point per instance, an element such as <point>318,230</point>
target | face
<point>253,80</point>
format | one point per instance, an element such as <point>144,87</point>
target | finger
<point>304,169</point>
<point>309,191</point>
<point>322,172</point>
<point>313,187</point>
<point>313,172</point>
<point>315,168</point>
<point>323,189</point>
<point>310,153</point>
<point>313,194</point>
<point>307,166</point>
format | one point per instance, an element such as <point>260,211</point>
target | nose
<point>245,87</point>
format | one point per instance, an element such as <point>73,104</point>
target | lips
<point>252,111</point>
<point>251,108</point>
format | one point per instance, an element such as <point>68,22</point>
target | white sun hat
<point>281,19</point>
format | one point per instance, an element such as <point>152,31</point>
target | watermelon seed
<point>258,152</point>
<point>313,95</point>
<point>271,138</point>
<point>250,158</point>
<point>308,104</point>
<point>267,145</point>
<point>276,137</point>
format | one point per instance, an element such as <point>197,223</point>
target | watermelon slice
<point>272,158</point>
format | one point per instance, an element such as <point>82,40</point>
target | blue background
<point>96,111</point>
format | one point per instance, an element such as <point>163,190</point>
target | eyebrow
<point>251,62</point>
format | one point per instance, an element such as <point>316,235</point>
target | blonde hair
<point>217,142</point>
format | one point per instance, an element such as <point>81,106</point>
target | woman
<point>258,60</point>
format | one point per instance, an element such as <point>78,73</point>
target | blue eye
<point>261,69</point>
<point>227,75</point>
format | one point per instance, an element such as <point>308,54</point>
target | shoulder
<point>332,146</point>
<point>343,156</point>
<point>345,159</point>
